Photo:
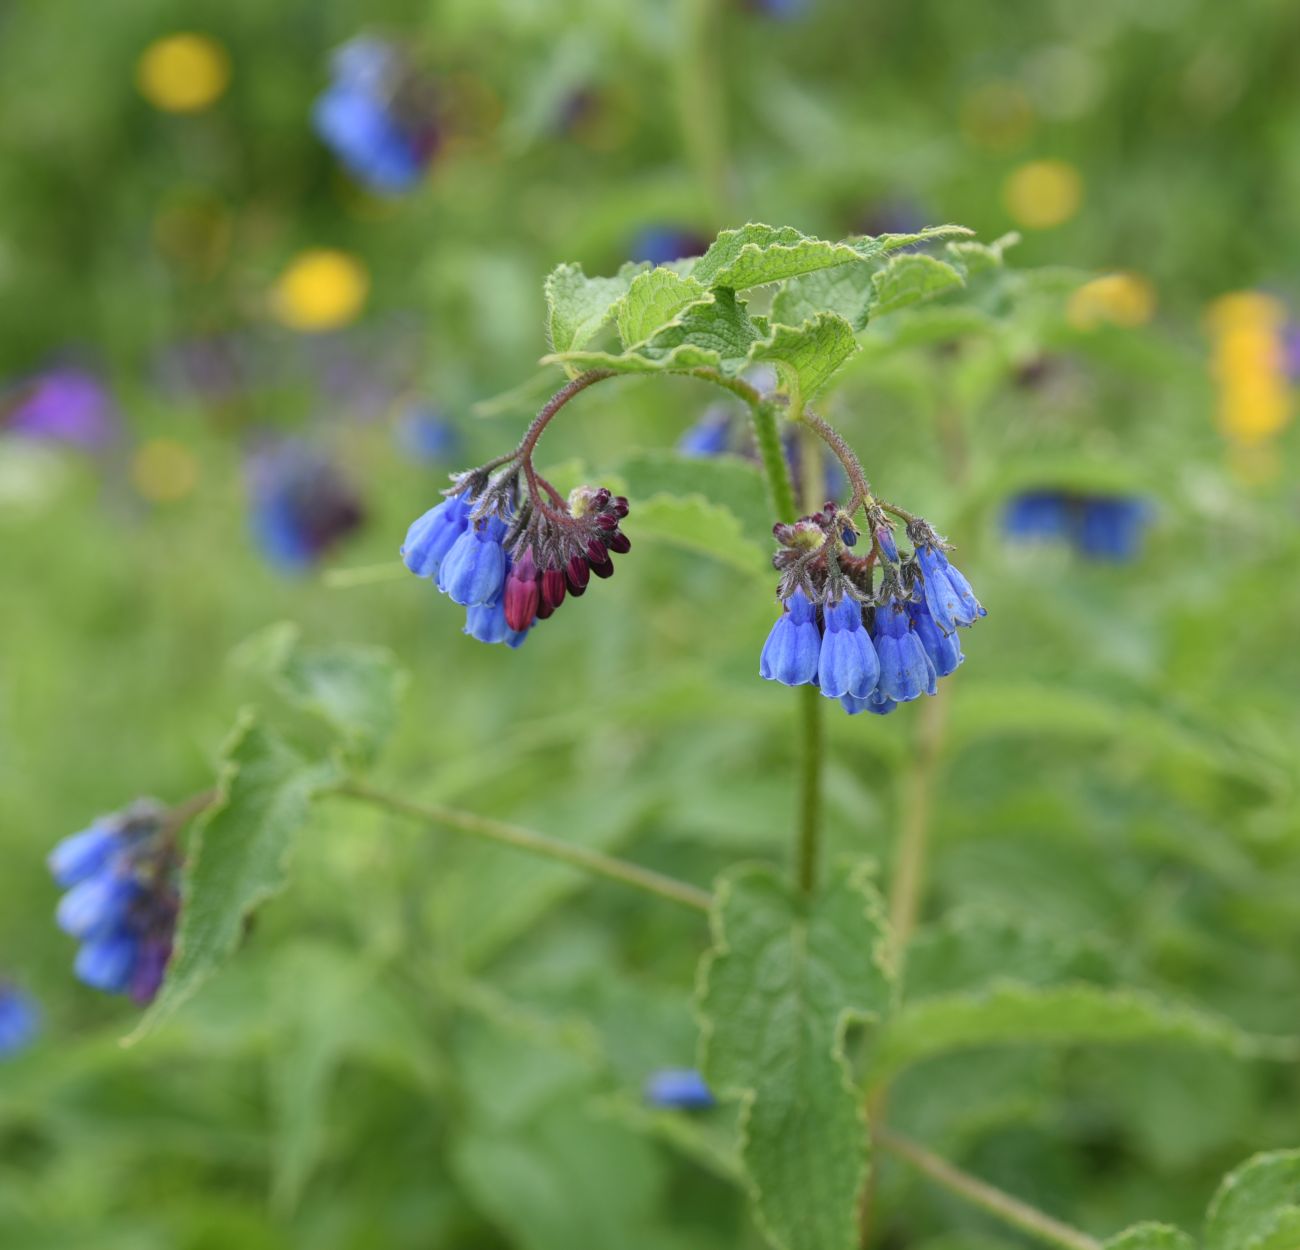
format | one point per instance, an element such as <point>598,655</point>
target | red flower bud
<point>577,573</point>
<point>607,521</point>
<point>604,568</point>
<point>597,552</point>
<point>553,588</point>
<point>521,592</point>
<point>619,542</point>
<point>620,506</point>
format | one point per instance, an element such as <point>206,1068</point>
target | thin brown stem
<point>1050,1231</point>
<point>535,843</point>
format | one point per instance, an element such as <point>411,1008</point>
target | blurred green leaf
<point>1149,1236</point>
<point>238,856</point>
<point>1258,1205</point>
<point>785,979</point>
<point>807,357</point>
<point>908,280</point>
<point>1059,1015</point>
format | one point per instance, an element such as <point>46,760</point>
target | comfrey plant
<point>815,992</point>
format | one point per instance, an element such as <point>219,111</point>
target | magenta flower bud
<point>604,568</point>
<point>521,592</point>
<point>607,521</point>
<point>597,553</point>
<point>620,506</point>
<point>552,588</point>
<point>619,542</point>
<point>600,499</point>
<point>577,573</point>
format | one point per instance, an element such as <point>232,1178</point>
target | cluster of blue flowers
<point>122,900</point>
<point>871,652</point>
<point>378,116</point>
<point>1098,527</point>
<point>19,1019</point>
<point>301,504</point>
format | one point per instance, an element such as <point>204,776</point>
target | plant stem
<point>1008,1209</point>
<point>768,438</point>
<point>845,454</point>
<point>700,104</point>
<point>536,844</point>
<point>554,404</point>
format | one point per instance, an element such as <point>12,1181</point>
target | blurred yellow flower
<point>1041,194</point>
<point>1248,363</point>
<point>164,470</point>
<point>1121,299</point>
<point>183,73</point>
<point>322,289</point>
<point>997,116</point>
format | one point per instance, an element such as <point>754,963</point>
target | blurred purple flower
<point>64,405</point>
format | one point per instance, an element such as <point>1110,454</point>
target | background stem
<point>700,105</point>
<point>810,798</point>
<point>1008,1209</point>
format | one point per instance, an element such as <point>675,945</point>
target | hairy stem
<point>845,455</point>
<point>534,843</point>
<point>554,404</point>
<point>768,437</point>
<point>1021,1215</point>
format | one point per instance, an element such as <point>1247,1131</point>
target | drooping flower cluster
<point>378,115</point>
<point>871,648</point>
<point>122,899</point>
<point>19,1019</point>
<point>512,566</point>
<point>1098,527</point>
<point>301,504</point>
<point>682,1089</point>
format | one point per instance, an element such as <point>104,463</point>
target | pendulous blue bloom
<point>847,663</point>
<point>474,569</point>
<point>874,702</point>
<point>791,651</point>
<point>1111,527</point>
<point>943,649</point>
<point>123,901</point>
<point>679,1088</point>
<point>905,670</point>
<point>432,535</point>
<point>19,1020</point>
<point>947,593</point>
<point>487,621</point>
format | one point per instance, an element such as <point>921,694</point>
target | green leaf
<point>1065,1015</point>
<point>354,688</point>
<point>697,524</point>
<point>808,357</point>
<point>734,483</point>
<point>909,279</point>
<point>784,980</point>
<point>756,254</point>
<point>1148,1236</point>
<point>652,301</point>
<point>871,246</point>
<point>238,856</point>
<point>577,306</point>
<point>1258,1205</point>
<point>846,290</point>
<point>713,333</point>
<point>974,258</point>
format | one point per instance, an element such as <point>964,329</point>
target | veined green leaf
<point>870,246</point>
<point>909,279</point>
<point>694,522</point>
<point>755,255</point>
<point>238,856</point>
<point>1258,1205</point>
<point>845,291</point>
<point>577,306</point>
<point>785,978</point>
<point>652,301</point>
<point>808,356</point>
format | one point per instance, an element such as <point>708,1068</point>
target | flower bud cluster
<point>512,566</point>
<point>871,648</point>
<point>122,899</point>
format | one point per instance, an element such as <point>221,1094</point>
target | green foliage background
<point>430,1042</point>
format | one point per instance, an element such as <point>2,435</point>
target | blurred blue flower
<point>792,648</point>
<point>663,244</point>
<point>376,116</point>
<point>678,1088</point>
<point>905,669</point>
<point>123,900</point>
<point>1098,527</point>
<point>65,405</point>
<point>847,663</point>
<point>425,434</point>
<point>301,504</point>
<point>19,1020</point>
<point>710,435</point>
